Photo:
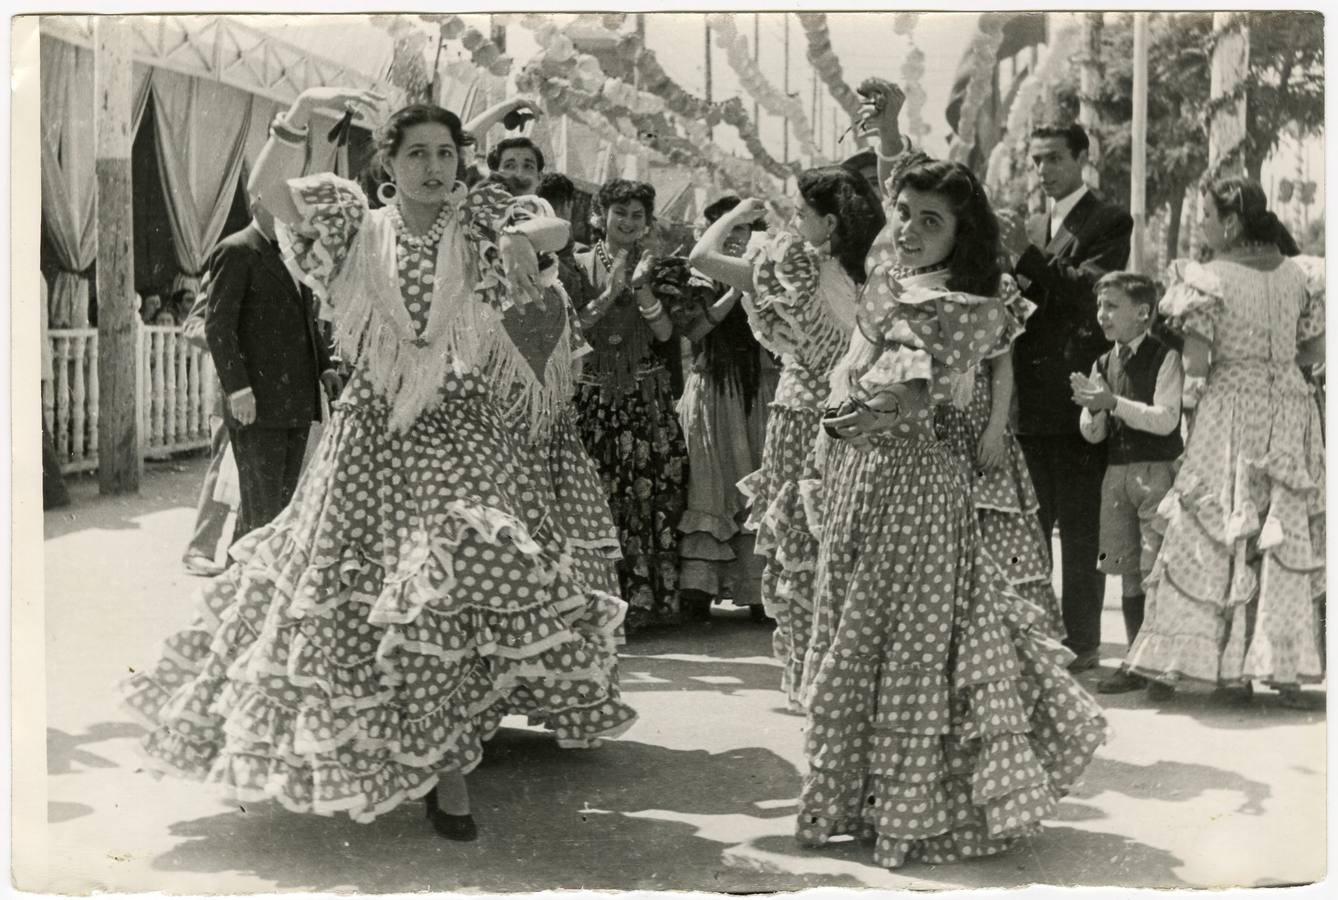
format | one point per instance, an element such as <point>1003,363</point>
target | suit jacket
<point>1062,335</point>
<point>262,332</point>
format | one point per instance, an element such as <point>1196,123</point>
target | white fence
<point>177,388</point>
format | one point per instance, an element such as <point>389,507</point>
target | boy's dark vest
<point>1138,382</point>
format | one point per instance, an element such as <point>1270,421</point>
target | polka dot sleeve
<point>485,212</point>
<point>331,210</point>
<point>1017,309</point>
<point>1310,324</point>
<point>1193,301</point>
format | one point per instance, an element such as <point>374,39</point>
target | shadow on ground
<point>164,485</point>
<point>65,752</point>
<point>617,818</point>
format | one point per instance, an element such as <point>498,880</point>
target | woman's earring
<point>386,193</point>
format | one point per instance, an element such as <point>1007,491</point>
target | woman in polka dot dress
<point>1005,499</point>
<point>1237,590</point>
<point>941,721</point>
<point>801,291</point>
<point>364,644</point>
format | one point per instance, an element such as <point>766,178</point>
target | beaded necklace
<point>417,242</point>
<point>900,272</point>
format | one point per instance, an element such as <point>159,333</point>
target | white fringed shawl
<point>465,331</point>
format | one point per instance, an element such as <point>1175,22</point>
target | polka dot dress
<point>796,314</point>
<point>942,724</point>
<point>1236,590</point>
<point>374,633</point>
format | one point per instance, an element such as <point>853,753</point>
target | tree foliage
<point>1285,85</point>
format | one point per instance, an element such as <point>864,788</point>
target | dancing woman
<point>1237,591</point>
<point>723,412</point>
<point>366,642</point>
<point>978,433</point>
<point>803,289</point>
<point>941,721</point>
<point>625,403</point>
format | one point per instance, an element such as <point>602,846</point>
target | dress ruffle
<point>942,721</point>
<point>342,662</point>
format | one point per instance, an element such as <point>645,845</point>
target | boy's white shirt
<point>1161,416</point>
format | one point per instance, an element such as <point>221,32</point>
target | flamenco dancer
<point>365,643</point>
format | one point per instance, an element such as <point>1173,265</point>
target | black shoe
<point>453,828</point>
<point>1121,682</point>
<point>695,606</point>
<point>1237,694</point>
<point>1088,659</point>
<point>758,614</point>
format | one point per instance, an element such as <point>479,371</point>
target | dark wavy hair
<point>514,143</point>
<point>973,265</point>
<point>390,136</point>
<point>556,188</point>
<point>1247,200</point>
<point>621,190</point>
<point>837,191</point>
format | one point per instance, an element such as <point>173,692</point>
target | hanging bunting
<point>482,50</point>
<point>755,83</point>
<point>825,63</point>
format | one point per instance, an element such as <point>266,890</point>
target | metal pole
<point>1138,140</point>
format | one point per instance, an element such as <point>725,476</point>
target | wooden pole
<point>120,463</point>
<point>1138,142</point>
<point>757,44</point>
<point>1231,60</point>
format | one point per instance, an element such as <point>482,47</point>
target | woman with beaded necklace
<point>1237,590</point>
<point>625,402</point>
<point>367,641</point>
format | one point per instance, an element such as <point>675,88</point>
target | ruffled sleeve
<point>1193,301</point>
<point>331,210</point>
<point>787,278</point>
<point>486,210</point>
<point>927,332</point>
<point>1310,324</point>
<point>1017,309</point>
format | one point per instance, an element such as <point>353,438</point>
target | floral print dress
<point>626,418</point>
<point>376,631</point>
<point>942,723</point>
<point>1236,592</point>
<point>802,311</point>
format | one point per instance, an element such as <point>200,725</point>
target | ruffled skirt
<point>373,634</point>
<point>784,537</point>
<point>1006,504</point>
<point>1236,592</point>
<point>716,550</point>
<point>942,723</point>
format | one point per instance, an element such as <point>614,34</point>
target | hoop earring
<point>386,193</point>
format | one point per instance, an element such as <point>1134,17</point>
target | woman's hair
<point>390,136</point>
<point>1246,199</point>
<point>621,190</point>
<point>837,191</point>
<point>973,264</point>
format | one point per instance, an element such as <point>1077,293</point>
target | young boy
<point>1132,402</point>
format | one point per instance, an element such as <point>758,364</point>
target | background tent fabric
<point>69,182</point>
<point>201,129</point>
<point>1020,31</point>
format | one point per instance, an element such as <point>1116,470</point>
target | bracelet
<point>282,131</point>
<point>650,314</point>
<point>905,148</point>
<point>860,403</point>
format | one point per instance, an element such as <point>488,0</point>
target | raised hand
<point>643,267</point>
<point>338,100</point>
<point>882,105</point>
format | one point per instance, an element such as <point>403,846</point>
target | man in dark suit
<point>210,514</point>
<point>1059,258</point>
<point>261,328</point>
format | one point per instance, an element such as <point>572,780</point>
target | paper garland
<point>984,56</point>
<point>735,45</point>
<point>828,67</point>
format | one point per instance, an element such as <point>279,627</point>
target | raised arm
<point>708,256</point>
<point>281,158</point>
<point>879,112</point>
<point>484,121</point>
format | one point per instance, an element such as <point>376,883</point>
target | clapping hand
<point>1091,393</point>
<point>520,263</point>
<point>1012,233</point>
